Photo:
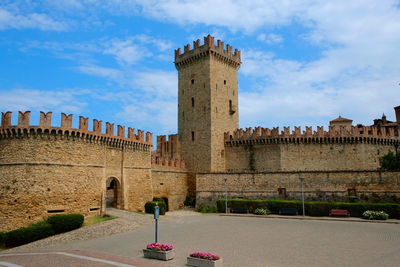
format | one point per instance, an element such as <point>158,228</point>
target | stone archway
<point>113,193</point>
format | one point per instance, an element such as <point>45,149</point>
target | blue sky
<point>304,62</point>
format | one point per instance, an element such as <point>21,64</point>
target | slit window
<point>94,209</point>
<point>192,81</point>
<point>192,101</point>
<point>55,211</point>
<point>192,135</point>
<point>224,82</point>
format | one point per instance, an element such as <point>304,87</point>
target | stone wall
<point>305,156</point>
<point>49,170</point>
<point>170,184</point>
<point>318,185</point>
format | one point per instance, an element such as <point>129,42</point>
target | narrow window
<point>230,104</point>
<point>192,135</point>
<point>233,92</point>
<point>204,109</point>
<point>204,85</point>
<point>224,82</point>
<point>192,101</point>
<point>183,91</point>
<point>216,109</point>
<point>192,81</point>
<point>216,86</point>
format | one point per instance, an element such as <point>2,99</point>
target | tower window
<point>233,92</point>
<point>183,91</point>
<point>192,81</point>
<point>204,85</point>
<point>192,135</point>
<point>192,101</point>
<point>224,81</point>
<point>216,86</point>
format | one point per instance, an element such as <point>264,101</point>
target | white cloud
<point>39,21</point>
<point>270,38</point>
<point>109,73</point>
<point>126,52</point>
<point>25,99</point>
<point>157,82</point>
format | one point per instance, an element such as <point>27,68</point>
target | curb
<point>310,218</point>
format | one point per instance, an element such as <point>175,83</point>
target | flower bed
<point>203,259</point>
<point>159,251</point>
<point>160,247</point>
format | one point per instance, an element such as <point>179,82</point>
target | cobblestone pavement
<point>250,241</point>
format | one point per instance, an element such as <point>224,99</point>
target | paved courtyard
<point>250,241</point>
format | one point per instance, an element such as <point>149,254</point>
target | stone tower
<point>207,102</point>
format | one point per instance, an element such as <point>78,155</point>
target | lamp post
<point>226,197</point>
<point>302,194</point>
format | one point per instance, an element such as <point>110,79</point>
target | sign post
<point>156,215</point>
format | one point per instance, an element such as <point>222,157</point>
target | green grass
<point>97,219</point>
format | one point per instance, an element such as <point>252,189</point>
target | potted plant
<point>159,251</point>
<point>203,259</point>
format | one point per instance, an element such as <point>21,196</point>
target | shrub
<point>313,208</point>
<point>375,215</point>
<point>190,201</point>
<point>390,161</point>
<point>206,209</point>
<point>65,222</point>
<point>28,234</point>
<point>2,237</point>
<point>261,211</point>
<point>149,207</point>
<point>158,199</point>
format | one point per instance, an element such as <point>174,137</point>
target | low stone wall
<point>171,184</point>
<point>318,185</point>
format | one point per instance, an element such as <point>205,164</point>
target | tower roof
<point>340,119</point>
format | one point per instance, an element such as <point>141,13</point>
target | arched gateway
<point>113,193</point>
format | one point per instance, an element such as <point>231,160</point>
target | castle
<point>47,169</point>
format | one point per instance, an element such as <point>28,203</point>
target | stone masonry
<point>47,169</point>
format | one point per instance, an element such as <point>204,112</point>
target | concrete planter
<point>198,262</point>
<point>159,255</point>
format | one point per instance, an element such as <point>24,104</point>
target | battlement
<point>165,162</point>
<point>24,126</point>
<point>207,49</point>
<point>335,133</point>
<point>168,147</point>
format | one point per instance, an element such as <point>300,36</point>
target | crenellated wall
<point>340,148</point>
<point>46,169</point>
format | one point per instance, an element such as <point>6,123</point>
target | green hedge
<point>65,222</point>
<point>149,207</point>
<point>313,208</point>
<point>27,234</point>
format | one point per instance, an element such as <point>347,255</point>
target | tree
<point>390,161</point>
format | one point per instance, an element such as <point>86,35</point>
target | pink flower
<point>160,247</point>
<point>205,255</point>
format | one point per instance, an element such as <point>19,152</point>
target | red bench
<point>339,213</point>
